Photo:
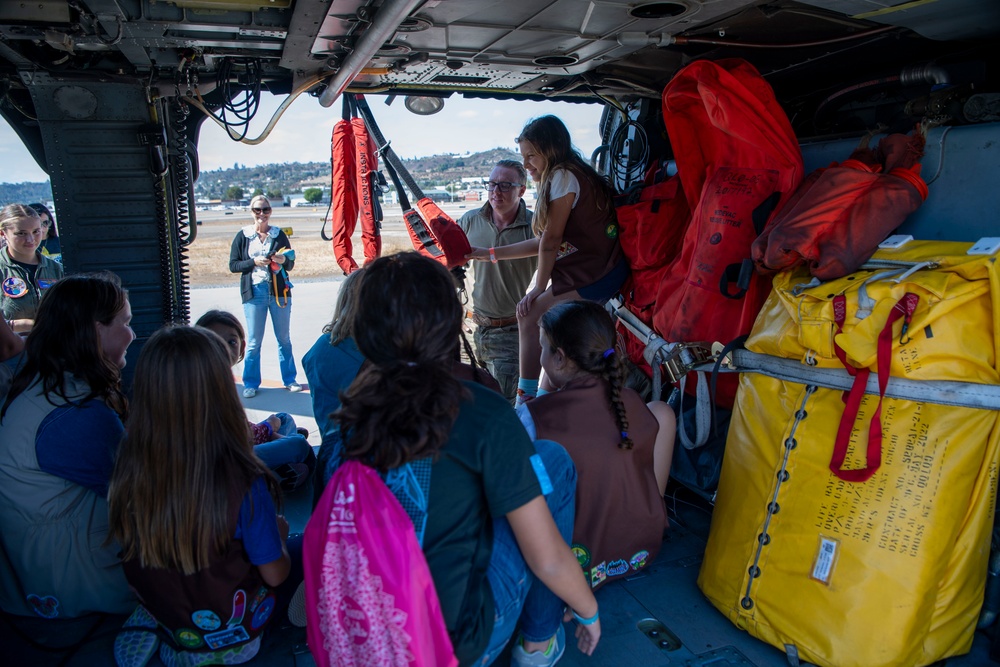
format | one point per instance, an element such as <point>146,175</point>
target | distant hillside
<point>25,193</point>
<point>279,179</point>
<point>291,177</point>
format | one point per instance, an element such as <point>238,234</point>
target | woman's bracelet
<point>493,255</point>
<point>587,621</point>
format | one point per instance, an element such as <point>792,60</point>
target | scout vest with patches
<point>590,247</point>
<point>620,515</point>
<point>224,605</point>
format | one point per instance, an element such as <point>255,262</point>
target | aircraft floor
<point>666,592</point>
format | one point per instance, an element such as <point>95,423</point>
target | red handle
<point>873,456</point>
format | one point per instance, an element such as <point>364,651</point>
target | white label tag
<point>825,559</point>
<point>985,246</point>
<point>895,241</point>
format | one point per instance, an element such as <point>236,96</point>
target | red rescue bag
<point>353,161</point>
<point>366,160</point>
<point>841,213</point>
<point>343,194</point>
<point>433,233</point>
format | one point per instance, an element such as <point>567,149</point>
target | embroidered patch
<point>542,474</point>
<point>611,231</point>
<point>257,599</point>
<point>582,554</point>
<point>598,574</point>
<point>565,249</point>
<point>141,618</point>
<point>46,607</point>
<point>206,619</point>
<point>45,284</point>
<point>639,559</point>
<point>187,638</point>
<point>239,609</point>
<point>263,613</point>
<point>228,637</point>
<point>14,287</point>
<point>617,567</point>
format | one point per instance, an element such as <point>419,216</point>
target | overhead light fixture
<point>423,105</point>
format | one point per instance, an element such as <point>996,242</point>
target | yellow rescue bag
<point>853,529</point>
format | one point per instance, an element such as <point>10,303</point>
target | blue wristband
<point>587,621</point>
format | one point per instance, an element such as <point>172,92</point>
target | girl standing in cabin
<point>195,511</point>
<point>622,448</point>
<point>576,238</point>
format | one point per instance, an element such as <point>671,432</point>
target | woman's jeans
<point>516,592</point>
<point>287,449</point>
<point>256,310</point>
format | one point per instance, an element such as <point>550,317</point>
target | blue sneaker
<point>550,656</point>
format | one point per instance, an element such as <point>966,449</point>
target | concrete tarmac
<point>312,308</point>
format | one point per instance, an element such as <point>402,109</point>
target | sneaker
<point>292,475</point>
<point>293,387</point>
<point>249,392</point>
<point>297,607</point>
<point>550,656</point>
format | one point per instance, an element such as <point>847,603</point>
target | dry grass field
<point>208,255</point>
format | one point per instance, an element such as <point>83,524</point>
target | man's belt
<point>483,321</point>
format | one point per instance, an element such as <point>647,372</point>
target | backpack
<point>370,599</point>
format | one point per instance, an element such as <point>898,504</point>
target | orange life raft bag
<point>737,158</point>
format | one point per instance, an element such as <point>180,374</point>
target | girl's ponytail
<point>403,405</point>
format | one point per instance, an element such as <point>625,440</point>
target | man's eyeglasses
<point>503,186</point>
<point>261,211</point>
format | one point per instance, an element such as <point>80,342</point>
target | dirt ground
<point>208,255</point>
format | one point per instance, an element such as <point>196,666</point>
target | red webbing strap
<point>873,457</point>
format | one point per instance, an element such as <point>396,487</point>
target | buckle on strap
<point>678,358</point>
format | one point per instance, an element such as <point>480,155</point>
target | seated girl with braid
<point>622,448</point>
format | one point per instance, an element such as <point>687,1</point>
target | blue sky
<point>302,134</point>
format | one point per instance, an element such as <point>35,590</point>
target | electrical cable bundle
<point>240,94</point>
<point>629,152</point>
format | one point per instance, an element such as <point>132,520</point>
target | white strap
<point>941,392</point>
<point>702,413</point>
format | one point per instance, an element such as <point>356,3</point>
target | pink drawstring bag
<point>370,599</point>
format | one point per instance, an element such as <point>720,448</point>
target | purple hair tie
<point>608,352</point>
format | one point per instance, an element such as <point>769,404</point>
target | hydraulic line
<point>184,227</point>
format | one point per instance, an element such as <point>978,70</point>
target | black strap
<point>326,217</point>
<point>736,273</point>
<point>347,109</point>
<point>391,159</point>
<point>377,185</point>
<point>738,343</point>
<point>404,203</point>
